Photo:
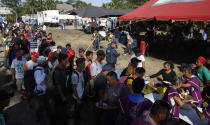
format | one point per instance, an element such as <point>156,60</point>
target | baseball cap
<point>135,60</point>
<point>34,54</point>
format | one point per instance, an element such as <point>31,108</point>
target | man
<point>71,55</point>
<point>29,65</point>
<point>89,57</point>
<point>100,81</point>
<point>53,57</point>
<point>18,70</point>
<point>49,37</point>
<point>132,66</point>
<point>139,73</point>
<point>139,56</point>
<point>202,72</point>
<point>33,44</point>
<point>135,104</point>
<point>59,81</point>
<point>117,36</point>
<point>39,101</point>
<point>24,44</point>
<point>112,54</point>
<point>96,66</point>
<point>113,92</point>
<point>96,41</point>
<point>159,112</point>
<point>129,44</point>
<point>81,53</point>
<point>78,83</point>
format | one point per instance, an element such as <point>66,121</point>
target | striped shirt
<point>33,44</point>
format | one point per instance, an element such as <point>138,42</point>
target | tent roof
<point>179,10</point>
<point>92,11</point>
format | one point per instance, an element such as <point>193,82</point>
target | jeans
<point>96,45</point>
<point>117,41</point>
<point>128,49</point>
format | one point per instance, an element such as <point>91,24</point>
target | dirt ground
<point>19,111</point>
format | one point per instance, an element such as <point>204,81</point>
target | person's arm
<point>179,101</point>
<point>116,53</point>
<point>143,64</point>
<point>76,94</point>
<point>157,74</point>
<point>25,68</point>
<point>185,85</point>
<point>13,74</point>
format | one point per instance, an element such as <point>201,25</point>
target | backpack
<point>29,82</point>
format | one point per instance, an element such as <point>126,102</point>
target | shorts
<point>20,84</point>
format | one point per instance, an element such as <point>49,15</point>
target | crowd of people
<point>54,78</point>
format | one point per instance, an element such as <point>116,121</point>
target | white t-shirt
<point>18,65</point>
<point>96,68</point>
<point>30,65</point>
<point>44,28</point>
<point>139,58</point>
<point>79,81</point>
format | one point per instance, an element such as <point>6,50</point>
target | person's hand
<point>193,106</point>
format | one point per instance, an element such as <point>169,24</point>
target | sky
<point>95,2</point>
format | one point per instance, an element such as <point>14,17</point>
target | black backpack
<point>29,82</point>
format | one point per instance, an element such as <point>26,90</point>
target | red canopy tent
<point>179,10</point>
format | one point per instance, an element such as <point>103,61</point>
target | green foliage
<point>34,6</point>
<point>79,4</point>
<point>124,4</point>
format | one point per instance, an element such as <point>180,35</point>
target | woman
<point>167,72</point>
<point>192,85</point>
<point>173,98</point>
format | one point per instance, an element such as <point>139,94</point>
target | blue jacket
<point>111,55</point>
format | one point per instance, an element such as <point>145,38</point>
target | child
<point>172,97</point>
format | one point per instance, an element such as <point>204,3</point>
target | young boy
<point>18,70</point>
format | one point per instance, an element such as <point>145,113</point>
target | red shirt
<point>70,57</point>
<point>143,45</point>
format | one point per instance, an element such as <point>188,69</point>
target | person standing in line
<point>78,82</point>
<point>97,65</point>
<point>112,54</point>
<point>18,70</point>
<point>59,80</point>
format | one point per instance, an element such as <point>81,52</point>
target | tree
<point>79,4</point>
<point>15,5</point>
<point>70,1</point>
<point>124,4</point>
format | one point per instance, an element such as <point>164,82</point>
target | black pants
<point>59,116</point>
